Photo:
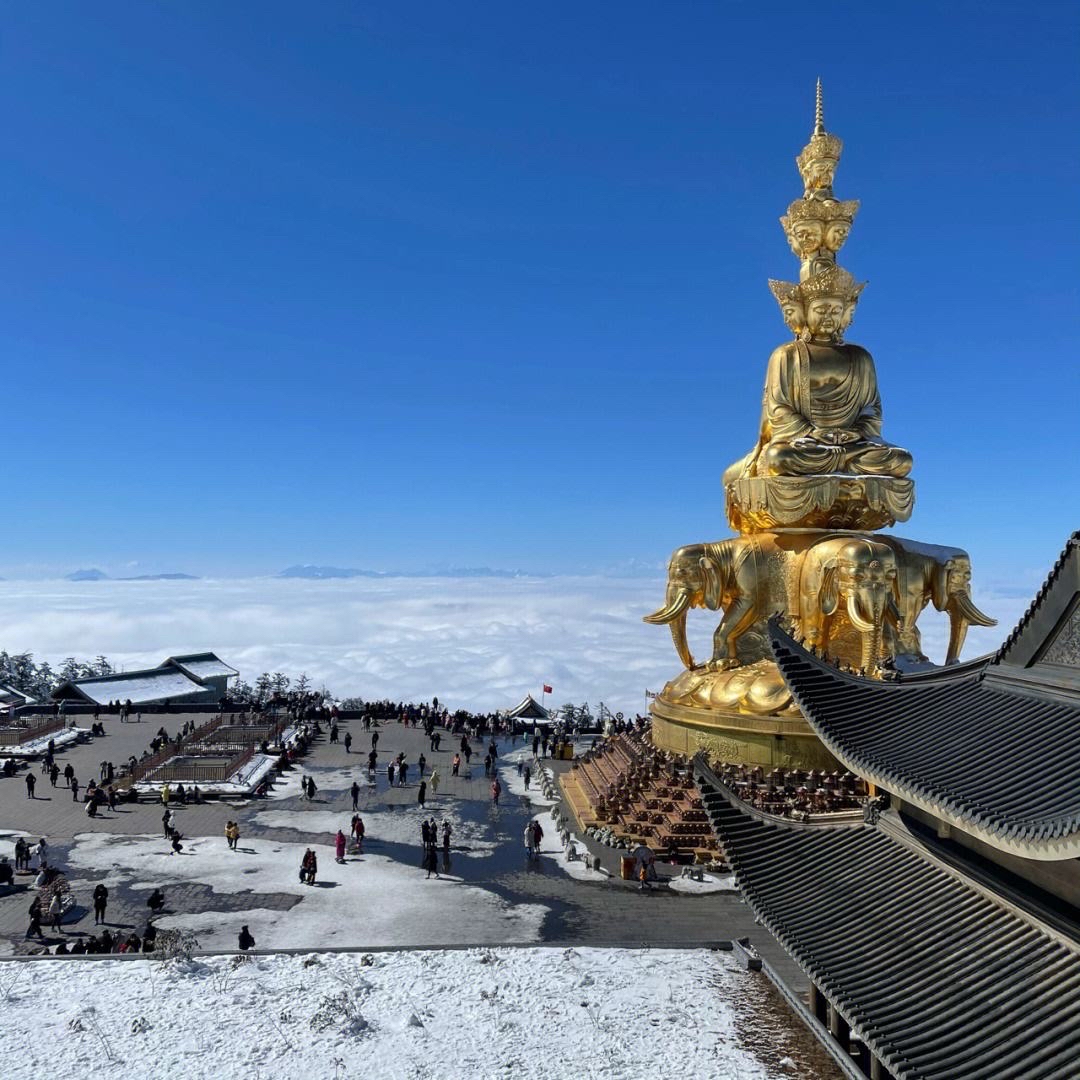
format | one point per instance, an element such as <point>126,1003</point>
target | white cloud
<point>474,643</point>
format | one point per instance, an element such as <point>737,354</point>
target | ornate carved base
<point>757,503</point>
<point>771,742</point>
<point>756,689</point>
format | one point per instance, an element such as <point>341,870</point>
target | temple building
<point>194,678</point>
<point>941,935</point>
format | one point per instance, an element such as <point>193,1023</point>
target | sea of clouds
<point>473,643</point>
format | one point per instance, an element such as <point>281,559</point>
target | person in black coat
<point>101,899</point>
<point>246,941</point>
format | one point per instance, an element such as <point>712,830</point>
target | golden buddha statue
<point>822,412</point>
<point>820,460</point>
<point>805,503</point>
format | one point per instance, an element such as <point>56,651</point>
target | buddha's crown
<point>833,281</point>
<point>823,210</point>
<point>822,148</point>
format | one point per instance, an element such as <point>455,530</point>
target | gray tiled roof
<point>940,981</point>
<point>999,762</point>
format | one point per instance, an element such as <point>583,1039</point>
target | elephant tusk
<point>962,604</point>
<point>858,620</point>
<point>670,611</point>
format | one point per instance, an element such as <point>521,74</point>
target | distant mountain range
<point>324,573</point>
<point>100,575</point>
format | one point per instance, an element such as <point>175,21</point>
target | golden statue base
<point>769,741</point>
<point>756,503</point>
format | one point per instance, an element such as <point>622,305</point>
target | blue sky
<point>482,284</point>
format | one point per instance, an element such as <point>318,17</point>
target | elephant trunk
<point>869,624</point>
<point>678,637</point>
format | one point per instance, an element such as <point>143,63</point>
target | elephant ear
<point>939,585</point>
<point>830,591</point>
<point>710,583</point>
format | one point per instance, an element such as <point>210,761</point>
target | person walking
<point>311,789</point>
<point>34,929</point>
<point>166,823</point>
<point>54,773</point>
<point>391,770</point>
<point>403,772</point>
<point>421,793</point>
<point>358,831</point>
<point>30,782</point>
<point>528,777</point>
<point>348,742</point>
<point>431,861</point>
<point>245,940</point>
<point>447,830</point>
<point>530,841</point>
<point>455,765</point>
<point>232,834</point>
<point>74,790</point>
<point>496,791</point>
<point>56,912</point>
<point>69,772</point>
<point>374,740</point>
<point>339,846</point>
<point>101,900</point>
<point>42,853</point>
<point>421,762</point>
<point>166,792</point>
<point>433,783</point>
<point>333,733</point>
<point>354,791</point>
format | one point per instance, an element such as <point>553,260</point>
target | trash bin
<point>626,867</point>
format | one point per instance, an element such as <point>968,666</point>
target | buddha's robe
<point>820,388</point>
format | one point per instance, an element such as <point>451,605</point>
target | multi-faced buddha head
<point>804,225</point>
<point>829,300</point>
<point>818,160</point>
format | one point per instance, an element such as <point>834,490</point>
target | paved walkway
<point>584,911</point>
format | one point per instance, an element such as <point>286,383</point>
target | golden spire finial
<point>819,111</point>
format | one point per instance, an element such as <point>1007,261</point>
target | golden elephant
<point>929,573</point>
<point>736,575</point>
<point>855,578</point>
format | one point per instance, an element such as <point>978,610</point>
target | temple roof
<point>989,746</point>
<point>204,665</point>
<point>529,709</point>
<point>937,978</point>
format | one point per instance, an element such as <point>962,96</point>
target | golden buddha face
<point>794,315</point>
<point>835,234</point>
<point>818,173</point>
<point>824,317</point>
<point>849,314</point>
<point>807,237</point>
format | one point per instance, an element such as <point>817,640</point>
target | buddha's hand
<point>833,436</point>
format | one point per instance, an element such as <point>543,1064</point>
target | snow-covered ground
<point>477,1013</point>
<point>367,898</point>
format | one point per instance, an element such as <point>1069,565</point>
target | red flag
<point>547,689</point>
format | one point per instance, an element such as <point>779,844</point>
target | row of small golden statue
<point>803,499</point>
